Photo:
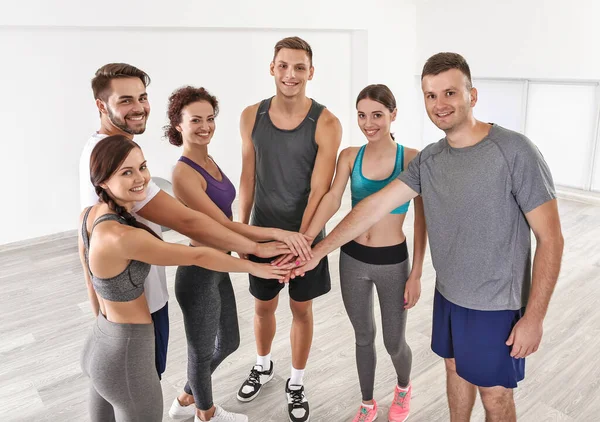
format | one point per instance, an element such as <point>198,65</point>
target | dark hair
<point>110,71</point>
<point>380,93</point>
<point>179,99</point>
<point>107,156</point>
<point>294,43</point>
<point>442,62</point>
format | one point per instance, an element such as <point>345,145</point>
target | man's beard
<point>122,124</point>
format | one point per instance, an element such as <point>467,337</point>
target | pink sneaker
<point>365,414</point>
<point>401,405</point>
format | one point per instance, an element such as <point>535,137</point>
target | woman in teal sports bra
<point>379,257</point>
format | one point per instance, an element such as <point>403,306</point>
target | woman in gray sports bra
<point>116,252</point>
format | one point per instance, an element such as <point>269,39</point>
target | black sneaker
<point>252,385</point>
<point>297,403</point>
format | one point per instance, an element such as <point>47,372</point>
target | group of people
<point>478,193</point>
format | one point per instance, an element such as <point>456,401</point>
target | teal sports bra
<point>361,187</point>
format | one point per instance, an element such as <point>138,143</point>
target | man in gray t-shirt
<point>484,189</point>
<point>476,199</point>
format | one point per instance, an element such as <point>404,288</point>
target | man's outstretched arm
<point>366,213</point>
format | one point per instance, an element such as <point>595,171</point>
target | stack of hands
<point>295,257</point>
<point>300,259</point>
<point>293,254</point>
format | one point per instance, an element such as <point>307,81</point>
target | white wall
<point>54,48</point>
<point>536,65</point>
<point>514,38</point>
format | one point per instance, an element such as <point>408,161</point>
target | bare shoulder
<point>328,121</point>
<point>251,109</point>
<point>82,215</point>
<point>329,129</point>
<point>249,115</point>
<point>348,155</point>
<point>92,215</point>
<point>410,153</point>
<point>182,173</point>
<point>80,226</point>
<point>110,236</point>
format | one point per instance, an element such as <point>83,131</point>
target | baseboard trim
<point>578,195</point>
<point>20,244</point>
<point>568,194</point>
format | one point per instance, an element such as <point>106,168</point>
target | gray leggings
<point>209,312</point>
<point>119,360</point>
<point>357,279</point>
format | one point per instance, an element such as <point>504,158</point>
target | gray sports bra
<point>128,285</point>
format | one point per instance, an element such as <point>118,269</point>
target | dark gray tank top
<point>126,286</point>
<point>284,164</point>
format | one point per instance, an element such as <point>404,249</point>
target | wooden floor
<point>44,318</point>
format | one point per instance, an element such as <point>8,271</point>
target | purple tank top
<point>222,193</point>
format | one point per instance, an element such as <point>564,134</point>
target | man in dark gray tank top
<point>290,145</point>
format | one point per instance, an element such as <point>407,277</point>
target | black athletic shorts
<point>315,283</point>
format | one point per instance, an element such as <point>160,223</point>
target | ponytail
<point>122,211</point>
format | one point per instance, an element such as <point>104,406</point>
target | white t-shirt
<point>155,286</point>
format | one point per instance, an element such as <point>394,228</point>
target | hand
<point>304,267</point>
<point>298,243</point>
<point>284,259</point>
<point>412,292</point>
<point>242,255</point>
<point>269,272</point>
<point>525,337</point>
<point>291,266</point>
<point>271,249</point>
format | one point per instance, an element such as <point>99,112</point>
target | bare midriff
<point>387,232</point>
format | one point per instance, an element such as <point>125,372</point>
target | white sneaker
<point>178,411</point>
<point>255,381</point>
<point>222,415</point>
<point>298,410</point>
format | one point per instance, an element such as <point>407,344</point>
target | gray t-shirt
<point>475,201</point>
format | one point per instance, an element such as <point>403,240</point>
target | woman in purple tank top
<point>206,297</point>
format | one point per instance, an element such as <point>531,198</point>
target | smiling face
<point>197,125</point>
<point>448,99</point>
<point>374,119</point>
<point>129,183</point>
<point>292,70</point>
<point>127,107</point>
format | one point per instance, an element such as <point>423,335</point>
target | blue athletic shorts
<point>477,342</point>
<point>160,319</point>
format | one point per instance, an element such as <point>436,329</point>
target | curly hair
<point>179,99</point>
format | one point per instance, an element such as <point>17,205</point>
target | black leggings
<point>209,312</point>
